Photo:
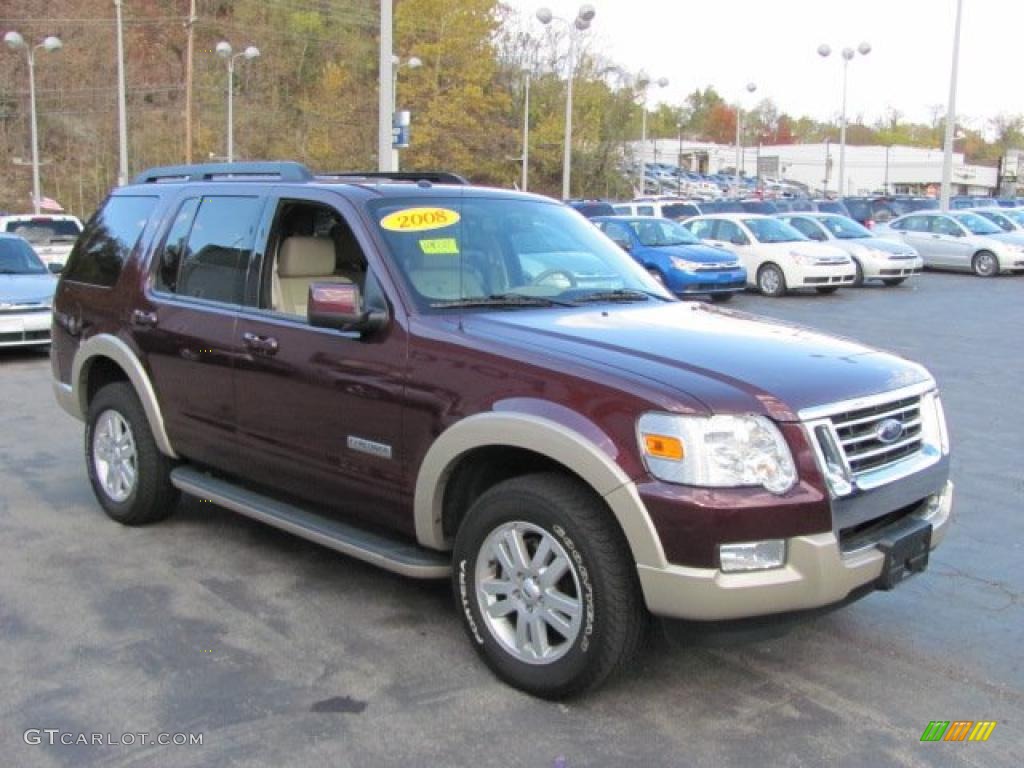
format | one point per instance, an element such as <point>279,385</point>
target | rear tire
<point>546,586</point>
<point>985,264</point>
<point>771,281</point>
<point>129,475</point>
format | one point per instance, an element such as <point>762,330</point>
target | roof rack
<point>285,171</point>
<point>434,177</point>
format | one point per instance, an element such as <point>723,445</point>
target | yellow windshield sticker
<point>419,219</point>
<point>440,246</point>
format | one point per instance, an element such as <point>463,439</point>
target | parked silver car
<point>959,240</point>
<point>1007,219</point>
<point>874,257</point>
<point>26,294</point>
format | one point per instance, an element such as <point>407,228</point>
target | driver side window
<point>729,232</point>
<point>943,226</point>
<point>807,228</point>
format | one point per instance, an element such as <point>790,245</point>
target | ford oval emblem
<point>889,431</point>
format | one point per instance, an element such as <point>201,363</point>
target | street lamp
<point>413,62</point>
<point>679,161</point>
<point>579,25</point>
<point>751,87</point>
<point>15,42</point>
<point>848,53</point>
<point>947,151</point>
<point>644,82</point>
<point>526,126</point>
<point>225,51</point>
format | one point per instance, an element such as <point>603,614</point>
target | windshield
<point>505,252</point>
<point>999,219</point>
<point>843,228</point>
<point>18,258</point>
<point>978,225</point>
<point>772,231</point>
<point>661,232</point>
<point>45,230</point>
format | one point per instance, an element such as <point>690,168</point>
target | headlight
<point>716,452</point>
<point>802,258</point>
<point>684,265</point>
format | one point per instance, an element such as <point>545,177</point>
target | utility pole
<point>122,108</point>
<point>190,50</point>
<point>385,86</point>
<point>947,151</point>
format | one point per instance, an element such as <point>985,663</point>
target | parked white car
<point>959,240</point>
<point>875,258</point>
<point>52,236</point>
<point>777,257</point>
<point>26,294</point>
<point>670,208</point>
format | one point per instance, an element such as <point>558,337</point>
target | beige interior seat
<point>443,279</point>
<point>300,262</point>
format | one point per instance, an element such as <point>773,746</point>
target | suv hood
<point>731,362</point>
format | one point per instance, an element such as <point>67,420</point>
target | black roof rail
<point>434,177</point>
<point>285,171</point>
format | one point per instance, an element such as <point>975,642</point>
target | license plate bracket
<point>906,553</point>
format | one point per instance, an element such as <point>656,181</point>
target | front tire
<point>827,289</point>
<point>721,298</point>
<point>894,281</point>
<point>546,586</point>
<point>985,264</point>
<point>771,281</point>
<point>858,278</point>
<point>129,475</point>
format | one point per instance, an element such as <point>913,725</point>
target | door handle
<point>264,345</point>
<point>143,319</point>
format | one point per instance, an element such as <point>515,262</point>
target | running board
<point>394,555</point>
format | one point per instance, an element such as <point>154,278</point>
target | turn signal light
<point>664,447</point>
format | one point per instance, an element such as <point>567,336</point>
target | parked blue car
<point>676,258</point>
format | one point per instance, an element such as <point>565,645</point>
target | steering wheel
<point>551,273</point>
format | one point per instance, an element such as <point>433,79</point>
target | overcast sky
<point>773,43</point>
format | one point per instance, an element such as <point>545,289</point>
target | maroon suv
<point>451,381</point>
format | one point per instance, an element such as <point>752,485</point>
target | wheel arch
<point>541,444</point>
<point>104,358</point>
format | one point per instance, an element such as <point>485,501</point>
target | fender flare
<point>117,351</point>
<point>548,438</point>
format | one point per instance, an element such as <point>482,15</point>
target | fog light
<point>752,555</point>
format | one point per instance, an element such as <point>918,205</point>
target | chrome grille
<point>861,439</point>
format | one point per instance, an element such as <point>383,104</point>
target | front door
<point>319,410</point>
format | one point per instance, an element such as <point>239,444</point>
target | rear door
<point>186,324</point>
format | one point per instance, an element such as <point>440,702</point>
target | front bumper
<point>24,329</point>
<point>890,268</point>
<point>820,275</point>
<point>818,572</point>
<point>708,282</point>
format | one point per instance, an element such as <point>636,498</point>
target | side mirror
<point>55,269</point>
<point>623,243</point>
<point>340,306</point>
<point>739,240</point>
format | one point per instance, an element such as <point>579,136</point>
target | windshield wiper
<point>502,300</point>
<point>621,294</point>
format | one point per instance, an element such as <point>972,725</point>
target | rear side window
<point>215,260</point>
<point>174,246</point>
<point>110,238</point>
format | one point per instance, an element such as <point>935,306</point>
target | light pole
<point>413,62</point>
<point>848,53</point>
<point>122,108</point>
<point>751,87</point>
<point>947,153</point>
<point>643,82</point>
<point>526,127</point>
<point>225,51</point>
<point>15,41</point>
<point>576,27</point>
<point>679,161</point>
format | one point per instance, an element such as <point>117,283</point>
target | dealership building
<point>871,169</point>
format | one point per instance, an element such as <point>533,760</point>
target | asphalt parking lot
<point>283,653</point>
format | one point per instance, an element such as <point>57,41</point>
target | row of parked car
<point>721,254</point>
